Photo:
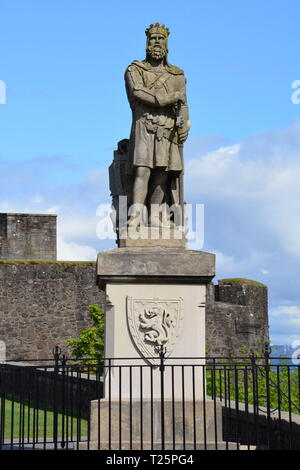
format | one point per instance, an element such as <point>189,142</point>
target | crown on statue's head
<point>157,28</point>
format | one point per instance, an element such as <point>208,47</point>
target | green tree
<point>91,340</point>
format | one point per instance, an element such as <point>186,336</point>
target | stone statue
<point>156,93</point>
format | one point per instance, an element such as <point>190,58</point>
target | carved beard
<point>157,52</point>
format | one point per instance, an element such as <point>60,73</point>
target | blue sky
<point>63,64</point>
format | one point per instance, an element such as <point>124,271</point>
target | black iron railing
<point>159,403</point>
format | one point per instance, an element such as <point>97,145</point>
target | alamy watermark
<point>2,92</point>
<point>159,221</point>
<point>296,352</point>
<point>295,98</point>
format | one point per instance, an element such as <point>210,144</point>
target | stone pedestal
<point>169,236</point>
<point>136,424</point>
<point>155,299</point>
<point>138,280</point>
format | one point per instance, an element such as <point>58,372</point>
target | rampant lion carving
<point>157,323</point>
<point>154,322</point>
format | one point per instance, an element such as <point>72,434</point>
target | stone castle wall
<point>42,304</point>
<point>28,236</point>
<point>236,317</point>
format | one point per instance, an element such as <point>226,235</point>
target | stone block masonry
<point>44,303</point>
<point>236,317</point>
<point>28,236</point>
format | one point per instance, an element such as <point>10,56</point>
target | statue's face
<point>156,46</point>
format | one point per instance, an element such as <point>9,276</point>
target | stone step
<point>136,446</point>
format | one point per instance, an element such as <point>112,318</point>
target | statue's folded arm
<point>137,90</point>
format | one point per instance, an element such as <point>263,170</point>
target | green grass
<point>239,280</point>
<point>29,422</point>
<point>59,263</point>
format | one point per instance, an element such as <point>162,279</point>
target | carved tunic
<point>154,137</point>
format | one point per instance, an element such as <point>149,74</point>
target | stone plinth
<point>136,424</point>
<point>153,237</point>
<point>155,297</point>
<point>145,264</point>
<point>142,284</point>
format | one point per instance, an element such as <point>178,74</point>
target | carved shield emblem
<point>153,323</point>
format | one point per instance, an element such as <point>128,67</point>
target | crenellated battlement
<point>28,236</point>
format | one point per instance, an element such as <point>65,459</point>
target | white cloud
<point>264,271</point>
<point>77,225</point>
<point>74,252</point>
<point>285,339</point>
<point>234,266</point>
<point>97,177</point>
<point>261,188</point>
<point>290,310</point>
<point>52,210</point>
<point>285,323</point>
<point>37,200</point>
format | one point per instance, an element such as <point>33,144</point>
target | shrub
<point>90,343</point>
